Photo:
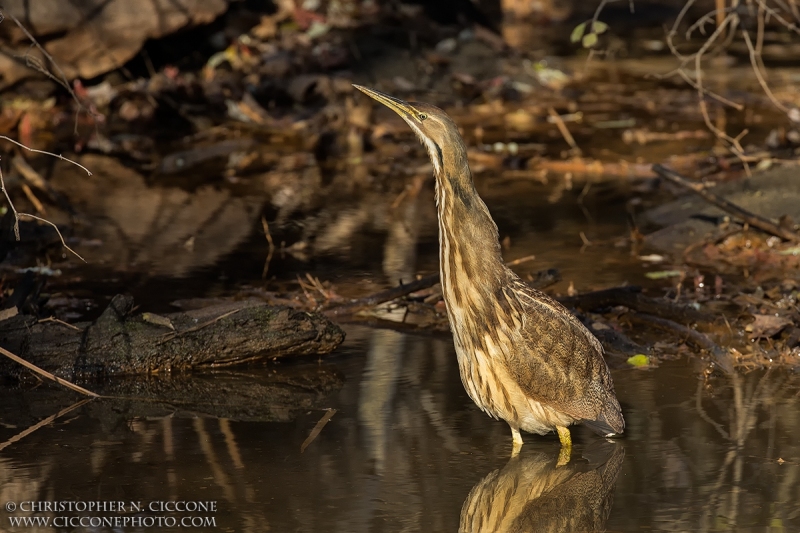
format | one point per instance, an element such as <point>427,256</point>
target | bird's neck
<point>471,264</point>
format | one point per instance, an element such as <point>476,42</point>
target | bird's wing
<point>559,363</point>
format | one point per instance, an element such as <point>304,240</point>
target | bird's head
<point>438,133</point>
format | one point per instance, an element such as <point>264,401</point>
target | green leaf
<point>577,33</point>
<point>638,360</point>
<point>662,274</point>
<point>589,40</point>
<point>599,27</point>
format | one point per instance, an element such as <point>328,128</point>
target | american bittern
<point>532,493</point>
<point>522,356</point>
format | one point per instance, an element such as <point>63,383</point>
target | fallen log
<point>120,343</point>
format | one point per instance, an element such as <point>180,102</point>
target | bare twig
<point>720,5</point>
<point>33,199</point>
<point>59,321</point>
<point>317,429</point>
<point>36,64</point>
<point>726,19</point>
<point>57,156</point>
<point>702,412</point>
<point>737,149</point>
<point>708,18</point>
<point>670,38</point>
<point>17,214</point>
<point>563,129</point>
<point>49,420</point>
<point>30,175</point>
<point>47,374</point>
<point>791,26</point>
<point>682,73</point>
<point>171,335</point>
<point>521,260</point>
<point>757,221</point>
<point>271,247</point>
<point>63,243</point>
<point>755,62</point>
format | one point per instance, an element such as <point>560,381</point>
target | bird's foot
<point>516,440</point>
<point>566,445</point>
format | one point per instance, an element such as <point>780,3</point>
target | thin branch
<point>682,73</point>
<point>598,10</point>
<point>58,321</point>
<point>791,26</point>
<point>49,420</point>
<point>564,130</point>
<point>40,219</point>
<point>57,156</point>
<point>174,334</point>
<point>521,260</point>
<point>17,214</point>
<point>35,64</point>
<point>702,412</point>
<point>10,203</point>
<point>37,204</point>
<point>698,58</point>
<point>674,31</point>
<point>754,55</point>
<point>708,18</point>
<point>271,244</point>
<point>317,429</point>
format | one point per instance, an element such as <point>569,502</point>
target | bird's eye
<point>422,116</point>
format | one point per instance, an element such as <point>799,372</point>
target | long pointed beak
<point>400,107</point>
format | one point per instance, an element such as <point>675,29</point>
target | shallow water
<point>407,450</point>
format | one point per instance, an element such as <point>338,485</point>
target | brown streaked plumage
<point>531,493</point>
<point>523,357</point>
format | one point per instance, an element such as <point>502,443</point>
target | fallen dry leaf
<point>766,326</point>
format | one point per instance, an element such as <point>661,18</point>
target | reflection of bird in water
<point>531,494</point>
<point>523,357</point>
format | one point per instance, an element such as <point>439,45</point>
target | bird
<point>522,356</point>
<point>532,493</point>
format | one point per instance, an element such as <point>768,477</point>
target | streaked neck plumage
<point>468,237</point>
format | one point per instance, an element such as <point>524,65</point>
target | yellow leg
<point>516,440</point>
<point>566,445</point>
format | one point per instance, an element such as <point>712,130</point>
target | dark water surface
<point>408,451</point>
